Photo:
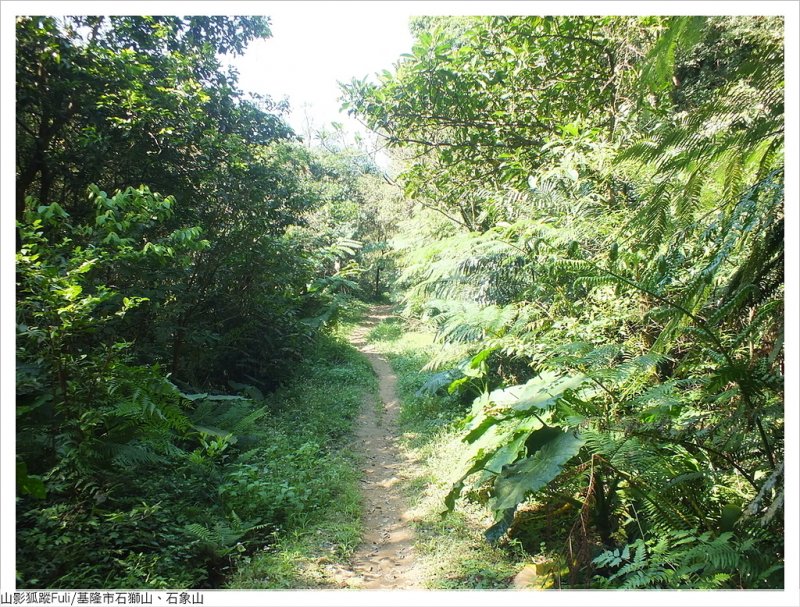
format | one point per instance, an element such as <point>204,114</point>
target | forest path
<point>385,558</point>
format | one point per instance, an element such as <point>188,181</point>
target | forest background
<point>789,255</point>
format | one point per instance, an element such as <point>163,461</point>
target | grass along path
<point>380,528</point>
<point>385,558</point>
<point>320,406</point>
<point>450,552</point>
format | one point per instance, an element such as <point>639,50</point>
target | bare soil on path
<point>385,558</point>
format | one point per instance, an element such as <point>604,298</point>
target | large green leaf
<point>29,484</point>
<point>540,393</point>
<point>535,392</point>
<point>512,446</point>
<point>500,445</point>
<point>480,425</point>
<point>532,473</point>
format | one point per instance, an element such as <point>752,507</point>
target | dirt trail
<point>385,558</point>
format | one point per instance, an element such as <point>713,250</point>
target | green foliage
<point>132,100</point>
<point>597,238</point>
<point>463,100</point>
<point>138,314</point>
<point>356,205</point>
<point>301,473</point>
<point>390,329</point>
<point>686,559</point>
<point>242,475</point>
<point>82,400</point>
<point>451,550</point>
<point>627,238</point>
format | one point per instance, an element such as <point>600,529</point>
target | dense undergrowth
<point>320,404</point>
<point>181,257</point>
<point>256,472</point>
<point>603,266</point>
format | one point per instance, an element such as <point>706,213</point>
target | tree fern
<point>639,251</point>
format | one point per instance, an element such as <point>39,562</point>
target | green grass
<point>451,550</point>
<point>456,556</point>
<point>319,407</point>
<point>300,557</point>
<point>390,330</point>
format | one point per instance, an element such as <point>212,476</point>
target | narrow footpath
<point>385,558</point>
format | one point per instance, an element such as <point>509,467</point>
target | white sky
<point>310,50</point>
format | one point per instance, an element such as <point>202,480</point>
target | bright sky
<point>310,50</point>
